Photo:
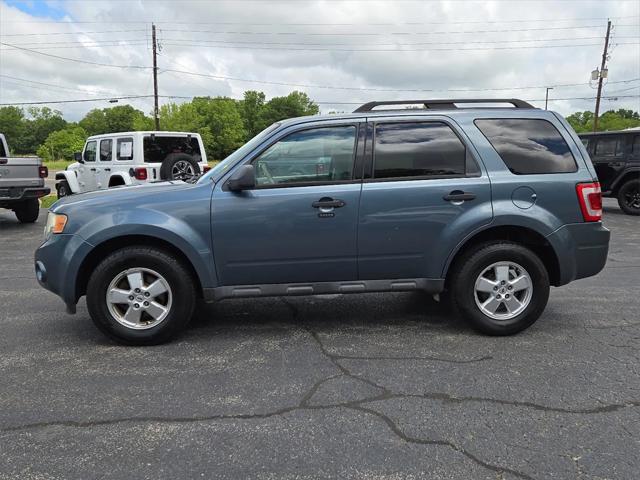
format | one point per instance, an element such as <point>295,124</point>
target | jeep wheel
<point>629,197</point>
<point>141,296</point>
<point>501,288</point>
<point>63,189</point>
<point>179,166</point>
<point>28,211</point>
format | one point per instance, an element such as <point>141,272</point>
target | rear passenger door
<point>423,192</point>
<point>608,158</point>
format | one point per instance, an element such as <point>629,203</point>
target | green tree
<point>12,125</point>
<point>61,144</point>
<point>222,116</point>
<point>296,104</point>
<point>251,107</point>
<point>41,122</point>
<point>611,120</point>
<point>123,118</point>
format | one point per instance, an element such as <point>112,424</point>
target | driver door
<point>300,222</point>
<point>87,170</point>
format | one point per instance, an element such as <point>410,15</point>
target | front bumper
<point>57,264</point>
<point>582,249</point>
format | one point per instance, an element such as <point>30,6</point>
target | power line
<point>77,60</point>
<point>69,33</point>
<point>95,92</point>
<point>615,97</point>
<point>377,50</point>
<point>323,24</point>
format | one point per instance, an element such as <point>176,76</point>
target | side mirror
<point>243,179</point>
<point>77,156</point>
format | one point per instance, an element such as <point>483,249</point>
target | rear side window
<point>156,148</point>
<point>124,148</point>
<point>608,147</point>
<point>636,145</point>
<point>2,152</point>
<point>528,146</point>
<point>106,149</point>
<point>427,149</point>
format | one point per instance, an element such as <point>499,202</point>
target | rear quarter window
<point>528,146</point>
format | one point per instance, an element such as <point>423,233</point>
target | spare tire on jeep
<point>179,166</point>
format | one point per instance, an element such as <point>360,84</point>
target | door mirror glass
<point>77,156</point>
<point>242,179</point>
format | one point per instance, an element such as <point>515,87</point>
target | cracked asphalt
<point>378,386</point>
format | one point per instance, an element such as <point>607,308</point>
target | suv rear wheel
<point>28,211</point>
<point>141,296</point>
<point>501,288</point>
<point>629,197</point>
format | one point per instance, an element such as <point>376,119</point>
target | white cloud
<point>187,30</point>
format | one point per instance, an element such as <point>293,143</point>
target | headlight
<point>55,224</point>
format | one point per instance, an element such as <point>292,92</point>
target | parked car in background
<point>616,158</point>
<point>132,158</point>
<point>21,184</point>
<point>488,207</point>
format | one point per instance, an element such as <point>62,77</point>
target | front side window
<point>90,151</point>
<point>316,155</point>
<point>427,149</point>
<point>528,146</point>
<point>124,149</point>
<point>607,147</point>
<point>106,148</point>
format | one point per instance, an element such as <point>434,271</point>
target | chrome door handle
<point>328,203</point>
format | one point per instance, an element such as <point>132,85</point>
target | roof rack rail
<point>444,104</point>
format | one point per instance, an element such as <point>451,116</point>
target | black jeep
<point>616,158</point>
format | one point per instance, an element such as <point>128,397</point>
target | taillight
<point>43,171</point>
<point>206,168</point>
<point>590,198</point>
<point>140,173</point>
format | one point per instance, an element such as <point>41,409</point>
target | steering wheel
<point>264,171</point>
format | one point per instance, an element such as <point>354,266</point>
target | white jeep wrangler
<point>132,158</point>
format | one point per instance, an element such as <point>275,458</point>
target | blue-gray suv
<point>485,204</point>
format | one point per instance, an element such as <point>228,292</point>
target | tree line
<point>224,123</point>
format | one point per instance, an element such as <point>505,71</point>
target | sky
<point>341,53</point>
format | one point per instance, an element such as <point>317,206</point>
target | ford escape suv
<point>486,204</point>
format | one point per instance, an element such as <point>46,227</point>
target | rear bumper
<point>582,249</point>
<point>18,194</point>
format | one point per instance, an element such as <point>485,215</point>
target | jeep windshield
<point>217,171</point>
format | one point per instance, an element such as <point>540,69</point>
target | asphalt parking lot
<point>380,386</point>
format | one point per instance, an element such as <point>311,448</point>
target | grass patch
<point>46,202</point>
<point>57,165</point>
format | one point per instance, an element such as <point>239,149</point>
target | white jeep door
<point>104,165</point>
<point>87,170</point>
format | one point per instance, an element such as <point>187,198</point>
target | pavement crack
<point>429,358</point>
<point>422,441</point>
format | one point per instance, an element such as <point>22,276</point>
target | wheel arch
<point>630,174</point>
<point>119,179</point>
<point>70,178</point>
<point>100,251</point>
<point>518,234</point>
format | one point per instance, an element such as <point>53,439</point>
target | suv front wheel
<point>501,288</point>
<point>140,296</point>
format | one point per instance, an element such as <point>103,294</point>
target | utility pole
<point>546,98</point>
<point>155,77</point>
<point>601,76</point>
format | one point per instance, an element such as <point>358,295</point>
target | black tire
<point>28,211</point>
<point>168,164</point>
<point>629,197</point>
<point>178,277</point>
<point>62,187</point>
<point>472,264</point>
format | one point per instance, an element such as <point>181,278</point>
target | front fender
<point>71,179</point>
<point>191,238</point>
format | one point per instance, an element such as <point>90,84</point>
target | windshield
<point>224,165</point>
